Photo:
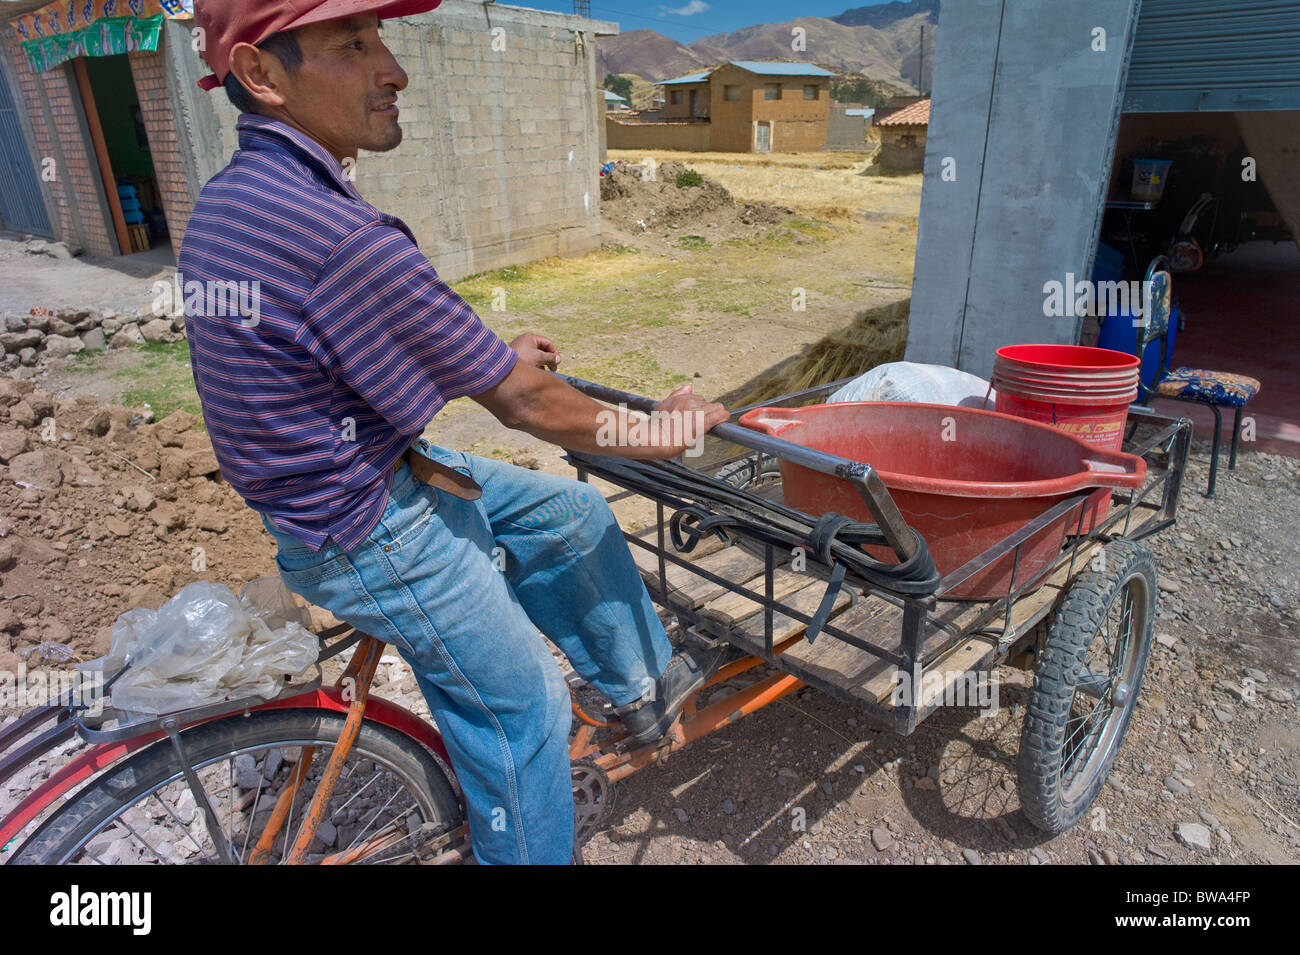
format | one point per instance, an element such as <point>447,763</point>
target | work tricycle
<point>797,538</point>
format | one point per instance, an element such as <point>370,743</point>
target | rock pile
<point>26,340</point>
<point>103,509</point>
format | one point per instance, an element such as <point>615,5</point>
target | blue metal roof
<point>760,67</point>
<point>611,97</point>
<point>859,112</point>
<point>692,78</point>
<point>766,68</point>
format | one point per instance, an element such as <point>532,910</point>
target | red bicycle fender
<point>100,757</point>
<point>382,711</point>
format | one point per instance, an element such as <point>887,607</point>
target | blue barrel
<point>1119,333</point>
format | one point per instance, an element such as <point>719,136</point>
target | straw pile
<point>877,336</point>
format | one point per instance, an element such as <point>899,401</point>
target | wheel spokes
<point>375,815</point>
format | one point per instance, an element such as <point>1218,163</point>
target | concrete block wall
<point>75,197</point>
<point>843,130</point>
<point>1024,205</point>
<point>501,151</point>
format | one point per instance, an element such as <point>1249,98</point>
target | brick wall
<point>733,119</point>
<point>688,137</point>
<point>75,197</point>
<point>902,148</point>
<point>798,124</point>
<point>682,110</point>
<point>150,74</point>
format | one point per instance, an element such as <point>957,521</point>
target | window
<point>772,91</point>
<point>810,91</point>
<point>731,94</point>
<point>676,97</point>
<point>907,141</point>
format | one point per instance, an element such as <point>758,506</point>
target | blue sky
<point>690,20</point>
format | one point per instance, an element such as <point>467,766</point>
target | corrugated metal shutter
<point>1192,55</point>
<point>21,207</point>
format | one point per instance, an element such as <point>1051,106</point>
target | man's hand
<point>536,351</point>
<point>690,417</point>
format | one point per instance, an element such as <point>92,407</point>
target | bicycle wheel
<point>1089,673</point>
<point>393,802</point>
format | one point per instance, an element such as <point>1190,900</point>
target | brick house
<point>495,168</point>
<point>902,138</point>
<point>97,142</point>
<point>741,106</point>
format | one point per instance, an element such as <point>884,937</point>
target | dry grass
<point>836,159</point>
<point>824,185</point>
<point>876,336</point>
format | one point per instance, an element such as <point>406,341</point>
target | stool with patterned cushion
<point>1215,389</point>
<point>1210,387</point>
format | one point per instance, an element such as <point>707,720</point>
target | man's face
<point>344,94</point>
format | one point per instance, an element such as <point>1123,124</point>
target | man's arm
<point>547,407</point>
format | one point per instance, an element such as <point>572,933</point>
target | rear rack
<point>745,592</point>
<point>96,722</point>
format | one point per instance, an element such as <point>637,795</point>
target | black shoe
<point>689,669</point>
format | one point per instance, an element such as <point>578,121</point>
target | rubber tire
<point>1074,625</point>
<point>126,782</point>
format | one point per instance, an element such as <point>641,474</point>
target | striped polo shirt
<point>322,341</point>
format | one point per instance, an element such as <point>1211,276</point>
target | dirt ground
<point>125,507</point>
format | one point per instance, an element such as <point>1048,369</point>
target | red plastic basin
<point>964,478</point>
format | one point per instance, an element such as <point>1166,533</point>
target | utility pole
<point>920,75</point>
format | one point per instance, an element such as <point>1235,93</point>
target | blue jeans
<point>460,588</point>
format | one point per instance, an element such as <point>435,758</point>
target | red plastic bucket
<point>964,478</point>
<point>1082,391</point>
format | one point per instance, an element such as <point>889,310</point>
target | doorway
<point>121,145</point>
<point>762,137</point>
<point>1222,212</point>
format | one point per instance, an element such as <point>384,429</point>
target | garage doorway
<point>125,160</point>
<point>1212,104</point>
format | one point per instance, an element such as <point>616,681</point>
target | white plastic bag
<point>205,645</point>
<point>912,381</point>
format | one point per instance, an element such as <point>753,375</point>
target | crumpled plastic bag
<point>913,381</point>
<point>205,645</point>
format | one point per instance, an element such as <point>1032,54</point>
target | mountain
<point>884,14</point>
<point>881,42</point>
<point>647,54</point>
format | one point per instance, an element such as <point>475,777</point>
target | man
<point>314,398</point>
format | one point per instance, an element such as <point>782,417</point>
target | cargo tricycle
<point>821,567</point>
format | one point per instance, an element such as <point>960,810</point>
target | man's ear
<point>261,73</point>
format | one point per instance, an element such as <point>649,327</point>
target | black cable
<point>704,505</point>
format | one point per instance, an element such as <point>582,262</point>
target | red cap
<point>228,22</point>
